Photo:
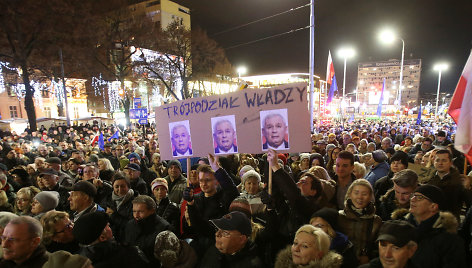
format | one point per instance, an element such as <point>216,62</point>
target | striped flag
<point>460,110</point>
<point>329,69</point>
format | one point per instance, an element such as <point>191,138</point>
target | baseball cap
<point>48,171</point>
<point>235,220</point>
<point>86,187</point>
<point>397,232</point>
<point>133,166</point>
<point>134,155</point>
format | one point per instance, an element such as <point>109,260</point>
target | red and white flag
<point>95,139</point>
<point>329,69</point>
<point>460,110</point>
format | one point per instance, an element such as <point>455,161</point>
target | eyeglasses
<point>12,239</point>
<point>418,197</point>
<point>222,233</point>
<point>69,225</point>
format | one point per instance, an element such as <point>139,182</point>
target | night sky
<point>433,30</point>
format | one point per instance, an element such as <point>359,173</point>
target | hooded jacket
<point>329,260</point>
<point>377,172</point>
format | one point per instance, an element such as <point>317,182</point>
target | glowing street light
<point>241,71</point>
<point>439,67</point>
<point>388,36</point>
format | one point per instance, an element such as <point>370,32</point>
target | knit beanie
<point>61,258</point>
<point>48,199</point>
<point>241,205</point>
<point>159,182</point>
<point>304,156</point>
<point>330,147</point>
<point>176,163</point>
<point>167,248</point>
<point>245,169</point>
<point>249,174</point>
<point>283,158</point>
<point>330,215</point>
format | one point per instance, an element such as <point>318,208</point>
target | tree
<point>29,29</point>
<point>184,55</point>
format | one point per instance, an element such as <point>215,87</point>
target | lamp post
<point>388,36</point>
<point>241,70</point>
<point>439,67</point>
<point>345,53</point>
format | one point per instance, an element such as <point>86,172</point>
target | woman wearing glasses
<point>57,232</point>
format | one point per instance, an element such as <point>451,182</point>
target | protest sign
<point>246,121</point>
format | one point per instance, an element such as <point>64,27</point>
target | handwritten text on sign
<point>202,137</point>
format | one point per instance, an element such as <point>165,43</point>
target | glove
<point>188,194</point>
<point>267,199</point>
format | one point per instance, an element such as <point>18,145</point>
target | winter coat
<point>143,233</point>
<point>466,233</point>
<point>341,245</point>
<point>36,260</point>
<point>176,188</point>
<point>329,260</point>
<point>438,243</point>
<point>387,205</point>
<point>382,185</point>
<point>170,212</point>
<point>361,227</point>
<point>139,186</point>
<point>377,172</point>
<point>246,257</point>
<point>121,215</point>
<point>375,263</point>
<point>110,254</point>
<point>452,187</point>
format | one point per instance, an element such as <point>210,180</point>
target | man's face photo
<point>274,130</point>
<point>180,139</point>
<point>224,135</point>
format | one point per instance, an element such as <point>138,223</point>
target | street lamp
<point>345,53</point>
<point>439,67</point>
<point>241,70</point>
<point>388,36</point>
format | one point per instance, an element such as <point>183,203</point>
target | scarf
<point>121,199</point>
<point>364,213</point>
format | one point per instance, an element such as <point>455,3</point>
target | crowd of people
<point>367,194</point>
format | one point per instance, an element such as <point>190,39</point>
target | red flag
<point>95,139</point>
<point>329,69</point>
<point>460,110</point>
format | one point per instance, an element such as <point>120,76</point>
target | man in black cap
<point>441,139</point>
<point>133,173</point>
<point>177,183</point>
<point>81,199</point>
<point>55,163</point>
<point>49,179</point>
<point>398,162</point>
<point>107,153</point>
<point>438,243</point>
<point>396,246</point>
<point>93,231</point>
<point>233,247</point>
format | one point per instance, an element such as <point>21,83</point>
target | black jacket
<point>121,216</point>
<point>375,263</point>
<point>170,212</point>
<point>109,254</point>
<point>36,260</point>
<point>246,257</point>
<point>143,234</point>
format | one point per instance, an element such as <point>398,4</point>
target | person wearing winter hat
<point>379,169</point>
<point>398,162</point>
<point>44,202</point>
<point>176,181</point>
<point>165,208</point>
<point>82,199</point>
<point>55,163</point>
<point>63,258</point>
<point>310,248</point>
<point>173,252</point>
<point>327,220</point>
<point>93,231</point>
<point>232,247</point>
<point>436,230</point>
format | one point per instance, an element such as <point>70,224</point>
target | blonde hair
<point>360,168</point>
<point>107,163</point>
<point>322,240</point>
<point>360,182</point>
<point>49,221</point>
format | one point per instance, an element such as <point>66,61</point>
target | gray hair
<point>35,229</point>
<point>177,126</point>
<point>221,122</point>
<point>269,116</point>
<point>6,217</point>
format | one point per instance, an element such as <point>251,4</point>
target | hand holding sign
<point>272,158</point>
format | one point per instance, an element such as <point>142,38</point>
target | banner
<point>246,121</point>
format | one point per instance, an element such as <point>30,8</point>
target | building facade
<point>162,11</point>
<point>370,79</point>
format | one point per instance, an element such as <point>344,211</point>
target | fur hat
<point>167,248</point>
<point>47,199</point>
<point>61,258</point>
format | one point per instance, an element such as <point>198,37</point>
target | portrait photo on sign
<point>274,129</point>
<point>180,138</point>
<point>224,134</point>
